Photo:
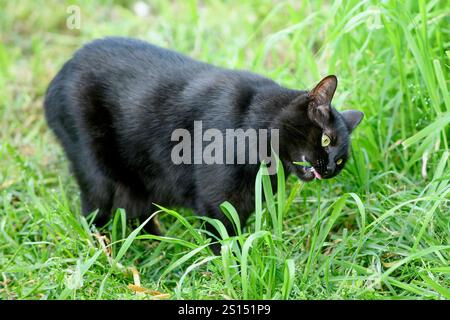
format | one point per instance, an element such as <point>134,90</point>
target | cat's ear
<point>323,92</point>
<point>320,99</point>
<point>352,118</point>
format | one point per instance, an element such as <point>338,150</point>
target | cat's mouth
<point>309,173</point>
<point>307,170</point>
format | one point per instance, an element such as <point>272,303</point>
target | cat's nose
<point>329,170</point>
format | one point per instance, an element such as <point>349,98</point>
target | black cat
<point>116,103</point>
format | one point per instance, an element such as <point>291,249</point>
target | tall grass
<point>254,264</point>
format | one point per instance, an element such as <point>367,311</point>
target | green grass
<point>380,230</point>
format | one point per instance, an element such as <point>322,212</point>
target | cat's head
<point>316,135</point>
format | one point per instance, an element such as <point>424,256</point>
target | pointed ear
<point>323,92</point>
<point>352,118</point>
<point>320,99</point>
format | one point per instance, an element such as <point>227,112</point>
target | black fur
<point>115,104</point>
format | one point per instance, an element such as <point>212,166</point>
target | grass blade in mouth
<point>302,163</point>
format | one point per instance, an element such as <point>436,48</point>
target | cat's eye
<point>325,140</point>
<point>339,161</point>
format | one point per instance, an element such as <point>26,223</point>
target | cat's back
<point>119,76</point>
<point>122,63</point>
<point>127,53</point>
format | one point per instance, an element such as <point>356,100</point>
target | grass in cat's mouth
<point>305,164</point>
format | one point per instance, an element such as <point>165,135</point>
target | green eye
<point>339,161</point>
<point>325,140</point>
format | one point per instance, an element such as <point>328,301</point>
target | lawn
<point>379,230</point>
